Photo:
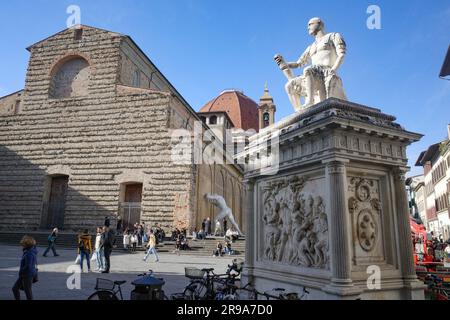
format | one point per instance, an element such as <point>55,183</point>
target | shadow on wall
<point>33,199</point>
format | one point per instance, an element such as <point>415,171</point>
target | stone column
<point>339,232</point>
<point>340,251</point>
<point>250,234</point>
<point>404,229</point>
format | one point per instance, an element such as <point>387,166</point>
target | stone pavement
<point>124,266</point>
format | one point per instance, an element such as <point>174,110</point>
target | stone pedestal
<point>331,214</point>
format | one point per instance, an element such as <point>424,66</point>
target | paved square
<point>53,278</point>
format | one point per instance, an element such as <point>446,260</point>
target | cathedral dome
<point>242,110</point>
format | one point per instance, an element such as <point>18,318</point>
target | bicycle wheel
<point>196,290</point>
<point>103,295</point>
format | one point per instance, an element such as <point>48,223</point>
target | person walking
<point>99,251</point>
<point>51,243</point>
<point>151,247</point>
<point>85,248</point>
<point>28,269</point>
<point>107,242</point>
<point>107,222</point>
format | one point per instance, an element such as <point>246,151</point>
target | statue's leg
<point>233,222</point>
<point>293,97</point>
<point>309,87</point>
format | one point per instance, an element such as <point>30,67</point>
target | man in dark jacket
<point>51,243</point>
<point>107,244</point>
<point>28,270</point>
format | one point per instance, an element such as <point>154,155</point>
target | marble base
<point>331,214</point>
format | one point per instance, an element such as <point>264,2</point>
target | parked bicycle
<point>274,294</point>
<point>147,287</point>
<point>206,285</point>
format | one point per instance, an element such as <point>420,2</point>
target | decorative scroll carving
<point>364,205</point>
<point>295,224</point>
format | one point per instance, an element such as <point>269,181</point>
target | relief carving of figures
<point>295,224</point>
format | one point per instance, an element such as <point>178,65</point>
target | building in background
<point>416,196</point>
<point>90,136</point>
<point>436,166</point>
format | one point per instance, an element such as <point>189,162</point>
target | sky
<point>206,46</point>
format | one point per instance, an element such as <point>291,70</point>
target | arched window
<point>266,119</point>
<point>213,120</point>
<point>137,78</point>
<point>203,119</point>
<point>70,78</point>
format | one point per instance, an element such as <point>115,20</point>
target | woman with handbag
<point>28,270</point>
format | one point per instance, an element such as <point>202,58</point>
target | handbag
<point>36,277</point>
<point>94,256</point>
<point>78,259</point>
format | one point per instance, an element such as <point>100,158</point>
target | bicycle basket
<point>104,284</point>
<point>194,273</point>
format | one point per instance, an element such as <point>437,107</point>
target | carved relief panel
<point>366,216</point>
<point>295,223</point>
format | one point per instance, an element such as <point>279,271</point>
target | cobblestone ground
<point>53,274</point>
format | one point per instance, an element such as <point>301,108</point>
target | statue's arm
<point>341,49</point>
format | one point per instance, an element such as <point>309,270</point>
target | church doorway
<point>130,208</point>
<point>57,201</point>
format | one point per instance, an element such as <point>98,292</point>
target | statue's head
<point>315,25</point>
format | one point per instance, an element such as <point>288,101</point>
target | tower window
<point>266,119</point>
<point>213,120</point>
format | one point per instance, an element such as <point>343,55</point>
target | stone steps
<point>69,240</point>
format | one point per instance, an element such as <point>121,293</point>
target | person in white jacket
<point>99,250</point>
<point>126,239</point>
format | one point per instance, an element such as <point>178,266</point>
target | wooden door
<point>57,202</point>
<point>131,209</point>
<point>133,193</point>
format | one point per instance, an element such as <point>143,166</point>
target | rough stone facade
<point>97,129</point>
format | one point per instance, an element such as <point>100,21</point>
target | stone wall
<point>11,104</point>
<point>95,139</point>
<point>99,131</point>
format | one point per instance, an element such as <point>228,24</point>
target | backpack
<point>81,244</point>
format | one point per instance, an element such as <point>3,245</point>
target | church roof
<point>242,110</point>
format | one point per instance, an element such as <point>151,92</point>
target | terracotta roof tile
<point>242,110</point>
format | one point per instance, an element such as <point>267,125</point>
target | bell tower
<point>266,109</point>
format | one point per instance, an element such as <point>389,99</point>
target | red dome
<point>242,110</point>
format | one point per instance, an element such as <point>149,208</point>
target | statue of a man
<point>319,80</point>
<point>224,210</point>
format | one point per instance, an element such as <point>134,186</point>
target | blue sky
<point>205,46</point>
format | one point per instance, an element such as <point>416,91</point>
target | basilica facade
<point>90,136</point>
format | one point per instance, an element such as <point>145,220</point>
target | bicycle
<point>280,296</point>
<point>206,285</point>
<point>106,289</point>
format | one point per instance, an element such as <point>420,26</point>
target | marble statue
<point>319,80</point>
<point>225,211</point>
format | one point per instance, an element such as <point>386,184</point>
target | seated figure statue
<point>319,80</point>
